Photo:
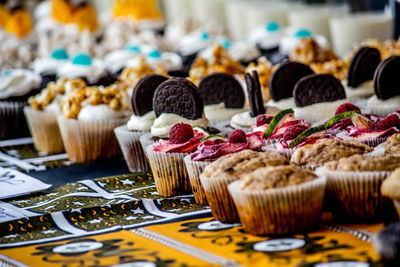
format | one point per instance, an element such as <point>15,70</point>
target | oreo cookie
<point>254,93</point>
<point>318,88</point>
<point>142,96</point>
<point>178,96</point>
<point>284,78</point>
<point>363,66</point>
<point>220,87</point>
<point>386,78</point>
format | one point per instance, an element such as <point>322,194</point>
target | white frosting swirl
<point>141,123</point>
<point>194,43</point>
<point>221,112</point>
<point>318,111</point>
<point>163,124</point>
<point>283,103</point>
<point>244,51</point>
<point>100,112</point>
<point>47,65</point>
<point>289,42</point>
<point>364,90</point>
<point>264,38</point>
<point>117,59</point>
<point>391,103</point>
<point>171,61</point>
<point>243,120</point>
<point>92,73</point>
<point>17,82</point>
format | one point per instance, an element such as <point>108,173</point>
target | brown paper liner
<point>356,196</point>
<point>86,141</point>
<point>219,199</point>
<point>282,210</point>
<point>132,149</point>
<point>194,169</point>
<point>12,120</point>
<point>169,172</point>
<point>44,129</point>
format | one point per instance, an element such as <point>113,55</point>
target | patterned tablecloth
<point>121,219</point>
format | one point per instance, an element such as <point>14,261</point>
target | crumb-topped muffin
<point>392,145</point>
<point>391,188</point>
<point>325,150</point>
<point>218,175</point>
<point>278,200</point>
<point>364,163</point>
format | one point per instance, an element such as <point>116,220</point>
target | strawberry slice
<point>392,120</point>
<point>255,142</point>
<point>373,134</point>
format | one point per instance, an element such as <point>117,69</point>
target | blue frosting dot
<point>205,35</point>
<point>272,26</point>
<point>155,54</point>
<point>226,44</point>
<point>6,73</point>
<point>82,59</point>
<point>302,33</point>
<point>133,48</point>
<point>59,54</point>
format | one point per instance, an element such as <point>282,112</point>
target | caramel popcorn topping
<point>336,67</point>
<point>60,87</point>
<point>221,62</point>
<point>133,75</point>
<point>308,51</point>
<point>387,48</point>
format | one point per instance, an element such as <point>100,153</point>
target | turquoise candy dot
<point>59,54</point>
<point>82,59</point>
<point>205,35</point>
<point>132,48</point>
<point>272,26</point>
<point>6,73</point>
<point>155,54</point>
<point>226,44</point>
<point>302,33</point>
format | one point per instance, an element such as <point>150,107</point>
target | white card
<point>15,183</point>
<point>8,213</point>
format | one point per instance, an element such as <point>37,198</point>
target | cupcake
<point>353,186</point>
<point>391,187</point>
<point>267,37</point>
<point>210,149</point>
<point>294,36</point>
<point>42,113</point>
<point>87,123</point>
<point>48,68</point>
<point>325,150</point>
<point>392,145</point>
<point>117,59</point>
<point>175,101</point>
<point>278,200</point>
<point>139,123</point>
<point>16,86</point>
<point>218,175</point>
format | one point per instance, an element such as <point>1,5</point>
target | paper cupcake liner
<point>218,197</point>
<point>12,120</point>
<point>194,169</point>
<point>132,149</point>
<point>373,142</point>
<point>272,147</point>
<point>169,172</point>
<point>282,210</point>
<point>44,129</point>
<point>146,140</point>
<point>86,141</point>
<point>356,196</point>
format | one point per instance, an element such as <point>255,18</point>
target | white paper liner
<point>11,115</point>
<point>282,210</point>
<point>145,141</point>
<point>86,141</point>
<point>169,172</point>
<point>272,147</point>
<point>356,196</point>
<point>44,129</point>
<point>194,169</point>
<point>132,149</point>
<point>219,199</point>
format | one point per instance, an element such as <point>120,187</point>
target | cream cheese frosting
<point>100,112</point>
<point>243,120</point>
<point>243,51</point>
<point>117,59</point>
<point>17,82</point>
<point>268,36</point>
<point>391,103</point>
<point>47,65</point>
<point>219,111</point>
<point>283,103</point>
<point>141,123</point>
<point>163,124</point>
<point>364,90</point>
<point>91,72</point>
<point>318,111</point>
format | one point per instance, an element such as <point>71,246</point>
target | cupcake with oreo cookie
<point>139,123</point>
<point>16,86</point>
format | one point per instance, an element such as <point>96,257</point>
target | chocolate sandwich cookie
<point>254,94</point>
<point>318,88</point>
<point>285,77</point>
<point>221,88</point>
<point>363,66</point>
<point>386,78</point>
<point>142,96</point>
<point>178,96</point>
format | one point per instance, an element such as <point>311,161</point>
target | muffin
<point>16,86</point>
<point>392,145</point>
<point>353,186</point>
<point>218,175</point>
<point>325,150</point>
<point>42,113</point>
<point>86,125</point>
<point>391,188</point>
<point>278,200</point>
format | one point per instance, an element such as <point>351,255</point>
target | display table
<point>82,220</point>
